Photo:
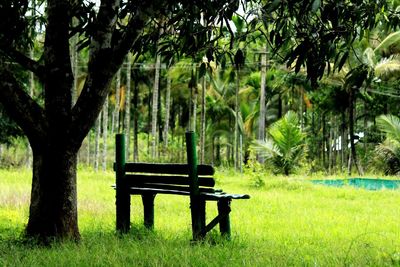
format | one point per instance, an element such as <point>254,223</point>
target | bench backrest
<point>179,178</point>
<point>167,176</point>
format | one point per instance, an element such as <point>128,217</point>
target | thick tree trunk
<point>53,209</point>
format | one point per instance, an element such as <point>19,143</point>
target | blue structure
<point>366,183</point>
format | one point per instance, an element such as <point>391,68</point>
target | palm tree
<point>285,144</point>
<point>389,150</point>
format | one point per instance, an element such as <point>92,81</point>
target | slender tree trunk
<point>115,114</point>
<point>135,123</point>
<point>154,104</point>
<point>97,143</point>
<point>324,146</point>
<point>261,123</point>
<point>127,117</point>
<point>203,120</point>
<point>330,147</point>
<point>236,137</point>
<point>105,133</point>
<point>352,136</point>
<point>218,151</point>
<point>168,103</point>
<point>88,150</point>
<point>343,141</point>
<point>191,123</point>
<point>31,86</point>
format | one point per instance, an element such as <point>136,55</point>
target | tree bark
<point>236,138</point>
<point>135,123</point>
<point>203,120</point>
<point>127,117</point>
<point>154,105</point>
<point>115,114</point>
<point>97,144</point>
<point>352,136</point>
<point>261,123</point>
<point>53,210</point>
<point>168,103</point>
<point>105,133</point>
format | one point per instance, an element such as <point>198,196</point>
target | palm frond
<point>391,39</point>
<point>390,125</point>
<point>388,68</point>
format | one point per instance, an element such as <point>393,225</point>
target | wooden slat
<point>175,188</point>
<point>142,190</point>
<point>139,179</point>
<point>219,195</point>
<point>167,168</point>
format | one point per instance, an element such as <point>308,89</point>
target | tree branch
<point>25,62</point>
<point>101,69</point>
<point>22,108</point>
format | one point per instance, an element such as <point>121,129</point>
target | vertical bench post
<point>148,210</point>
<point>224,208</point>
<point>123,198</point>
<point>197,208</point>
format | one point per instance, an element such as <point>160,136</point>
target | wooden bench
<point>192,180</point>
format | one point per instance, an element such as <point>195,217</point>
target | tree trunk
<point>343,141</point>
<point>115,114</point>
<point>236,137</point>
<point>135,123</point>
<point>154,105</point>
<point>127,117</point>
<point>53,209</point>
<point>203,120</point>
<point>105,133</point>
<point>97,144</point>
<point>352,136</point>
<point>330,146</point>
<point>261,123</point>
<point>168,103</point>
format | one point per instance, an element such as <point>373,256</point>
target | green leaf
<point>343,60</point>
<point>316,4</point>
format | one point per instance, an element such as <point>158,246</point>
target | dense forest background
<point>250,103</point>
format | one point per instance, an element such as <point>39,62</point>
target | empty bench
<point>192,180</point>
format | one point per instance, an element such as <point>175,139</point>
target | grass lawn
<point>289,221</point>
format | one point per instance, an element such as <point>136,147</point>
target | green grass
<point>288,222</point>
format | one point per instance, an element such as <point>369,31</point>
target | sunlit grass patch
<point>288,221</point>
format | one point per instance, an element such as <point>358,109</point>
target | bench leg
<point>148,210</point>
<point>224,208</point>
<point>123,210</point>
<point>198,212</point>
<point>202,217</point>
